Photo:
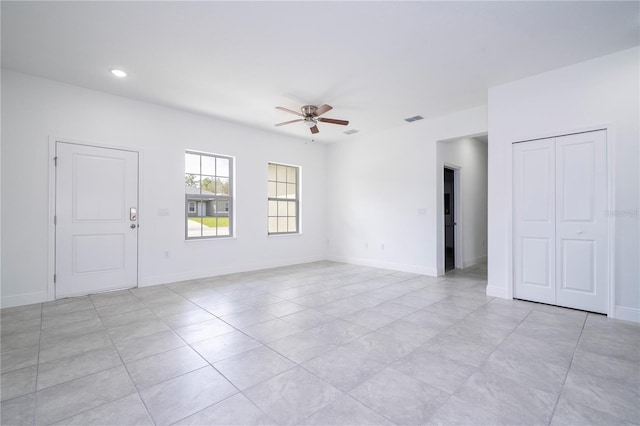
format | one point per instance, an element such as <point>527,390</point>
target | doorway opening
<point>461,203</point>
<point>449,220</point>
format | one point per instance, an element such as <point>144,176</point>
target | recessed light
<point>351,131</point>
<point>118,73</point>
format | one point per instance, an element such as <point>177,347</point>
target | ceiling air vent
<point>414,118</point>
<point>351,131</point>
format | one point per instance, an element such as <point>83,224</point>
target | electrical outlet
<point>166,254</point>
<point>381,246</point>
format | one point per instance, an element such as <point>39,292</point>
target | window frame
<point>230,198</point>
<point>276,199</point>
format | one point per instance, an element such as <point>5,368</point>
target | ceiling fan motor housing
<point>308,110</point>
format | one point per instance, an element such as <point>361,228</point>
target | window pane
<point>292,209</point>
<point>282,190</point>
<point>192,181</point>
<point>273,208</point>
<point>282,173</point>
<point>291,174</point>
<point>208,165</point>
<point>282,224</point>
<point>194,227</point>
<point>221,208</point>
<point>192,163</point>
<point>273,225</point>
<point>197,209</point>
<point>208,185</point>
<point>272,172</point>
<point>223,167</point>
<point>272,190</point>
<point>223,224</point>
<point>223,186</point>
<point>291,190</point>
<point>292,225</point>
<point>209,227</point>
<point>282,208</point>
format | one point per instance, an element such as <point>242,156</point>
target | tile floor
<point>316,344</point>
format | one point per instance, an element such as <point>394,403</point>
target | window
<point>208,195</point>
<point>284,199</point>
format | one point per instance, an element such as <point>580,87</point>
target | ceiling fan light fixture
<point>309,122</point>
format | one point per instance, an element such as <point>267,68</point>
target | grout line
<point>564,381</point>
<point>124,366</point>
<point>35,391</point>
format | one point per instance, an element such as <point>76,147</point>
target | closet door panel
<point>534,217</point>
<point>581,223</point>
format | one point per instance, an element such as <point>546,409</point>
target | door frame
<point>51,229</point>
<point>609,128</point>
<point>457,215</point>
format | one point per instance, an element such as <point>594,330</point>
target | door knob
<point>579,231</point>
<point>133,226</point>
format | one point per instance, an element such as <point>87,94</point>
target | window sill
<point>199,240</point>
<point>284,235</point>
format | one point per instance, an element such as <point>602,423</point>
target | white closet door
<point>534,220</point>
<point>581,224</point>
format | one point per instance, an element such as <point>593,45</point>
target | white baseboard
<point>495,291</point>
<point>627,314</point>
<point>223,270</point>
<point>403,267</point>
<point>474,262</point>
<point>23,299</point>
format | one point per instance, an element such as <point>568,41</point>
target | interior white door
<point>96,228</point>
<point>581,223</point>
<point>534,248</point>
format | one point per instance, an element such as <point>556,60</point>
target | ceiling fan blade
<point>334,121</point>
<point>289,122</point>
<point>289,110</point>
<point>321,110</point>
<point>314,130</point>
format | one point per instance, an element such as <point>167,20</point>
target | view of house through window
<point>283,212</point>
<point>208,195</point>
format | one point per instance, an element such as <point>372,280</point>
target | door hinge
<point>55,161</point>
<point>54,278</point>
<point>55,220</point>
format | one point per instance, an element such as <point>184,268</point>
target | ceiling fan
<point>311,115</point>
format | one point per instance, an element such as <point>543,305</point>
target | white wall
<point>35,110</point>
<point>382,191</point>
<point>470,156</point>
<point>589,95</point>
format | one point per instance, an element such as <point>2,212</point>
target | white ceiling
<point>374,62</point>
